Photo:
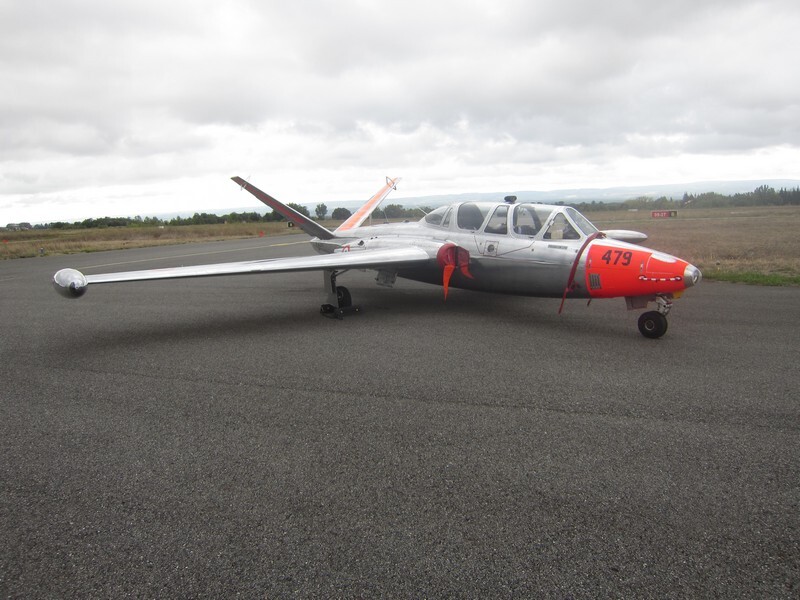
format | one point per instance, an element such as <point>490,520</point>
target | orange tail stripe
<point>362,213</point>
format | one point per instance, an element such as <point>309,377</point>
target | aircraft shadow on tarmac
<point>415,307</point>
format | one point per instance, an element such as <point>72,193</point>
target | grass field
<point>751,244</point>
<point>21,244</point>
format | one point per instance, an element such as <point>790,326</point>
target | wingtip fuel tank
<point>70,283</point>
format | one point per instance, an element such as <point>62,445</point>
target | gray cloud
<point>130,92</point>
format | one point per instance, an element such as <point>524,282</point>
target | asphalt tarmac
<point>219,438</point>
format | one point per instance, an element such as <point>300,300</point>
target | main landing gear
<point>340,302</point>
<point>653,324</point>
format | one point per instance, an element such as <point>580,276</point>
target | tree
<point>340,214</point>
<point>394,211</point>
<point>301,209</point>
<point>321,210</point>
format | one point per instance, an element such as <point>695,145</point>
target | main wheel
<point>343,297</point>
<point>652,324</point>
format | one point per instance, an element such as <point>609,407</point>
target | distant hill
<point>576,196</point>
<point>616,194</point>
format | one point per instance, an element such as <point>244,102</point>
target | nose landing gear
<point>653,324</point>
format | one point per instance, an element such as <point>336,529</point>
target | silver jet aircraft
<point>501,247</point>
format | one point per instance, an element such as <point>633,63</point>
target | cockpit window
<point>528,218</point>
<point>582,222</point>
<point>561,229</point>
<point>437,217</point>
<point>498,221</point>
<point>471,215</point>
<point>446,220</point>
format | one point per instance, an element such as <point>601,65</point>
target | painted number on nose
<point>617,257</point>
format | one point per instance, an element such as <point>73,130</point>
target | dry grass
<point>19,244</point>
<point>751,243</point>
<point>725,243</point>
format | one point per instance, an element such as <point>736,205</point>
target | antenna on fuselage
<point>385,216</point>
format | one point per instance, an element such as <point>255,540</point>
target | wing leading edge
<point>72,283</point>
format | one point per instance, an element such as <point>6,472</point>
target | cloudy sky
<point>142,107</point>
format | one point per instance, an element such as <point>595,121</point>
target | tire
<point>343,297</point>
<point>653,324</point>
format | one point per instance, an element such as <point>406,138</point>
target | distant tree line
<point>391,211</point>
<point>762,196</point>
<point>195,219</point>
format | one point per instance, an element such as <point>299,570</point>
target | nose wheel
<point>653,324</point>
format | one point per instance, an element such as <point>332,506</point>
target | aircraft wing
<point>72,283</point>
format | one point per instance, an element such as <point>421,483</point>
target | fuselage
<point>526,249</point>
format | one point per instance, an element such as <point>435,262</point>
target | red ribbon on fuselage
<point>452,257</point>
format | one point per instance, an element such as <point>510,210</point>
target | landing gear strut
<point>653,324</point>
<point>340,302</point>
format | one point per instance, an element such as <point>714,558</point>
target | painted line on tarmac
<point>144,260</point>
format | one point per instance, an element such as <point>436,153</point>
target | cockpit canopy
<point>541,221</point>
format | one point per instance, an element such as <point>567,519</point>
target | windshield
<point>582,222</point>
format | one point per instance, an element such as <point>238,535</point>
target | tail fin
<point>358,217</point>
<point>310,226</point>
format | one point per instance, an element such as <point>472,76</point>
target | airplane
<point>503,247</point>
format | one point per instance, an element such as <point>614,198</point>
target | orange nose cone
<point>667,273</point>
<point>613,271</point>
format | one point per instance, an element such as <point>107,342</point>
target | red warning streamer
<point>452,257</point>
<point>570,287</point>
